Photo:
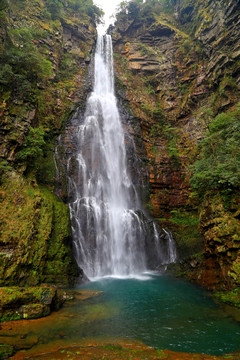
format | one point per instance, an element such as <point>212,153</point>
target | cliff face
<point>179,67</point>
<point>45,50</point>
<point>55,51</point>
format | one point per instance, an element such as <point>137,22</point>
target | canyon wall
<point>45,49</point>
<point>178,67</point>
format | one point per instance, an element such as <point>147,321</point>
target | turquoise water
<point>166,313</point>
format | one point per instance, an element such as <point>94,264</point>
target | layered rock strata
<point>53,45</point>
<point>179,69</point>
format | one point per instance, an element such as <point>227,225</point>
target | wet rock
<point>40,243</point>
<point>220,227</point>
<point>181,65</point>
<point>33,311</point>
<point>31,303</point>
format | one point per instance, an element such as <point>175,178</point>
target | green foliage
<point>4,168</point>
<point>6,351</point>
<point>3,4</point>
<point>172,149</point>
<point>145,50</point>
<point>219,163</point>
<point>37,225</point>
<point>158,113</point>
<point>184,88</point>
<point>183,218</point>
<point>56,8</point>
<point>171,135</point>
<point>22,64</point>
<point>187,45</point>
<point>33,146</point>
<point>142,9</point>
<point>46,170</point>
<point>190,241</point>
<point>207,115</point>
<point>155,131</point>
<point>228,83</point>
<point>230,297</point>
<point>67,68</point>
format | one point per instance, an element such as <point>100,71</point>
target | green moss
<point>230,297</point>
<point>185,226</point>
<point>6,351</point>
<point>161,354</point>
<point>218,165</point>
<point>10,317</point>
<point>34,311</point>
<point>37,222</point>
<point>31,302</point>
<point>38,78</point>
<point>26,295</point>
<point>183,218</point>
<point>234,272</point>
<point>113,347</point>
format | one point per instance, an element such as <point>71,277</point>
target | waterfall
<point>172,252</point>
<point>109,230</point>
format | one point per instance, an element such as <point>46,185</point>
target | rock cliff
<point>45,49</point>
<point>177,66</point>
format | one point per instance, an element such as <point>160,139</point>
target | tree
<point>33,146</point>
<point>218,166</point>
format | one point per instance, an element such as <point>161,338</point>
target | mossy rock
<point>34,311</point>
<point>31,302</point>
<point>220,225</point>
<point>6,351</point>
<point>230,297</point>
<point>35,236</point>
<point>234,272</point>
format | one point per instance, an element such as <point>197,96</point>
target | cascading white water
<point>109,229</point>
<point>172,252</point>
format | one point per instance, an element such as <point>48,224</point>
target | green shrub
<point>56,8</point>
<point>3,5</point>
<point>4,168</point>
<point>67,68</point>
<point>183,218</point>
<point>33,146</point>
<point>22,64</point>
<point>218,166</point>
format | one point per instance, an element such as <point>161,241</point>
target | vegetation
<point>6,351</point>
<point>183,218</point>
<point>33,145</point>
<point>186,232</point>
<point>218,166</point>
<point>55,8</point>
<point>35,226</point>
<point>142,9</point>
<point>23,66</point>
<point>23,62</point>
<point>4,169</point>
<point>230,297</point>
<point>37,75</point>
